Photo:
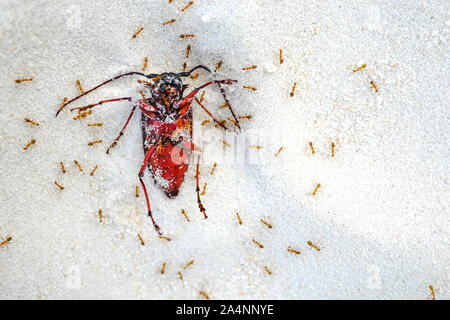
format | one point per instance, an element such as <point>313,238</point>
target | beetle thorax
<point>168,91</point>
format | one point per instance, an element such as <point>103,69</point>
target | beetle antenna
<point>107,81</point>
<point>151,75</point>
<point>188,73</point>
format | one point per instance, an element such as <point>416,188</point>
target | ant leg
<point>210,114</point>
<point>229,106</point>
<point>99,103</point>
<point>123,129</point>
<point>200,205</point>
<point>141,175</point>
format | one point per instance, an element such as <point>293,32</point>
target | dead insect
<point>180,275</point>
<point>164,113</point>
<point>249,68</point>
<point>204,295</point>
<point>163,268</point>
<point>332,149</point>
<point>137,191</point>
<point>281,57</point>
<point>100,215</point>
<point>250,88</point>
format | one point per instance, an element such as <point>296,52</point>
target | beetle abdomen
<point>169,163</point>
<point>169,166</point>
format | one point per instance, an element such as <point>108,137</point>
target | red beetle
<point>166,129</point>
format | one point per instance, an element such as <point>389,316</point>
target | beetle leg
<point>107,81</point>
<point>210,114</point>
<point>200,205</point>
<point>185,103</point>
<point>193,147</point>
<point>123,129</point>
<point>99,103</point>
<point>225,81</point>
<point>229,106</point>
<point>149,154</point>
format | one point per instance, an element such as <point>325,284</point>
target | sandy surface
<point>380,216</point>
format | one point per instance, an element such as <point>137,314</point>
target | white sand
<point>381,216</point>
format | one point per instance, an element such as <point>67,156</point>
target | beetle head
<point>169,85</point>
